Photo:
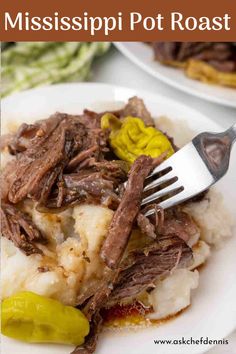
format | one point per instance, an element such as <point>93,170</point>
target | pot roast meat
<point>47,155</point>
<point>217,51</point>
<point>165,51</point>
<point>92,187</point>
<point>136,108</point>
<point>22,139</point>
<point>90,343</point>
<point>142,267</point>
<point>57,145</point>
<point>177,51</point>
<point>136,273</point>
<point>91,306</point>
<point>227,66</point>
<point>18,227</point>
<point>45,151</point>
<point>187,50</point>
<point>220,55</point>
<point>179,223</point>
<point>124,217</point>
<point>85,154</point>
<point>145,225</point>
<point>118,235</point>
<point>5,140</point>
<point>91,119</point>
<point>44,188</point>
<point>114,171</point>
<point>101,294</point>
<point>6,177</point>
<point>96,184</point>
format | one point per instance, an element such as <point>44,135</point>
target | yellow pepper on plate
<point>130,138</point>
<point>36,319</point>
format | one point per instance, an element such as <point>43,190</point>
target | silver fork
<point>191,170</point>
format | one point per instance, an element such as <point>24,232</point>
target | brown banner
<point>122,20</point>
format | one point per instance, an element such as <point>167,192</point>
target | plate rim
<point>152,95</point>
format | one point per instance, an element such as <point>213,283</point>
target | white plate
<point>213,309</point>
<point>142,55</point>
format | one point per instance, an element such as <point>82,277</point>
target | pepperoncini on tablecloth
<point>130,138</point>
<point>36,319</point>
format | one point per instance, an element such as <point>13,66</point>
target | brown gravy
<point>132,315</point>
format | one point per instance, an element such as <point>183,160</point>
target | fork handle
<point>215,148</point>
<point>231,132</point>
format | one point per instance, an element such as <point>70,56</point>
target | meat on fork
<point>124,217</point>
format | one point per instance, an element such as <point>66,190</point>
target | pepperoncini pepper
<point>130,138</point>
<point>36,319</point>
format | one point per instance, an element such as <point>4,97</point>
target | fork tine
<point>163,166</point>
<point>163,179</point>
<point>175,199</point>
<point>169,189</point>
<point>169,202</point>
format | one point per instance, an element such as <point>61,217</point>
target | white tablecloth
<point>116,69</point>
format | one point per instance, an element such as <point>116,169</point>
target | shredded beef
<point>220,55</point>
<point>144,266</point>
<point>136,273</point>
<point>91,308</point>
<point>136,108</point>
<point>18,227</point>
<point>94,184</point>
<point>43,189</point>
<point>102,293</point>
<point>165,51</point>
<point>22,140</point>
<point>83,155</point>
<point>190,49</point>
<point>179,223</point>
<point>61,144</point>
<point>90,343</point>
<point>74,189</point>
<point>146,226</point>
<point>91,119</point>
<point>123,219</point>
<point>5,140</point>
<point>44,150</point>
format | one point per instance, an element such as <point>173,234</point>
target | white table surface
<point>115,69</point>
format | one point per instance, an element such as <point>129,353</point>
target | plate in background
<point>142,55</point>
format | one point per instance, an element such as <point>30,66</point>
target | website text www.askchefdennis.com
<point>191,341</point>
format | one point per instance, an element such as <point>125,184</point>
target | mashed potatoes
<point>201,251</point>
<point>173,293</point>
<point>20,272</point>
<point>213,218</point>
<point>69,263</point>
